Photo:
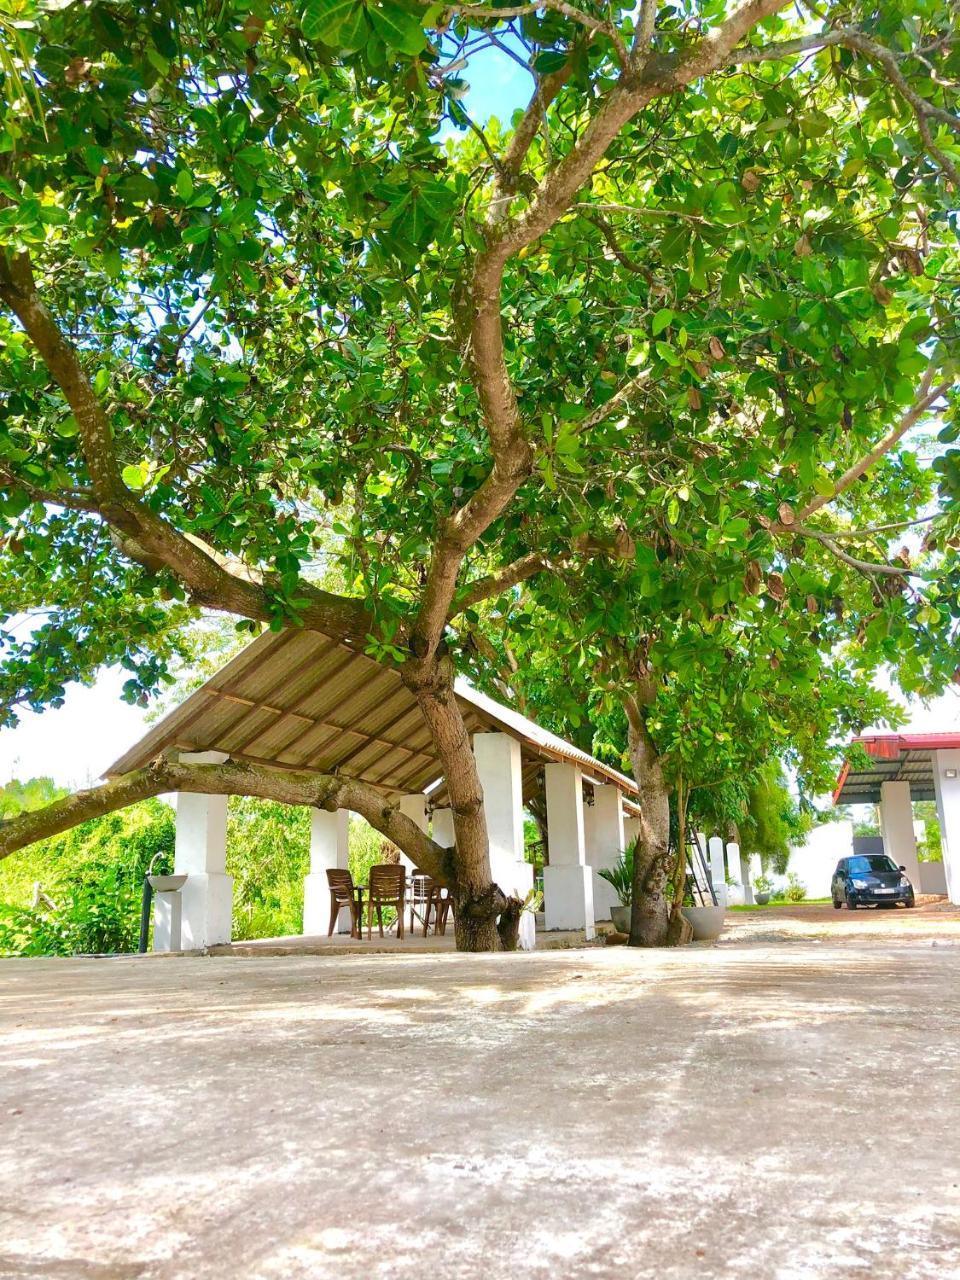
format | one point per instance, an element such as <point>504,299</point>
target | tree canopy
<point>272,298</point>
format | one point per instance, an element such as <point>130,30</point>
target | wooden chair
<point>424,899</point>
<point>344,893</point>
<point>444,908</point>
<point>386,889</point>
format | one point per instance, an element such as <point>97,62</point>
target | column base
<point>568,898</point>
<point>167,921</point>
<point>207,910</point>
<point>316,907</point>
<point>604,896</point>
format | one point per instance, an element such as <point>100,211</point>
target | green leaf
<point>184,184</point>
<point>397,28</point>
<point>133,476</point>
<point>322,19</point>
<point>662,320</point>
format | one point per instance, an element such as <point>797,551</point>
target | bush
<point>795,891</point>
<point>94,876</point>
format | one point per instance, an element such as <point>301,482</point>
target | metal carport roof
<point>894,757</point>
<point>296,699</point>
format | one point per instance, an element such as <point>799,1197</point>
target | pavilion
<point>905,767</point>
<point>296,699</point>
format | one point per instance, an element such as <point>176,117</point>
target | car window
<point>874,863</point>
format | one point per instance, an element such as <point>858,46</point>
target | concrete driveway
<point>745,1110</point>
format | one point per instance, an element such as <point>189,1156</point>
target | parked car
<point>870,880</point>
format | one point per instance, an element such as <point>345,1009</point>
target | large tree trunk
<point>649,916</point>
<point>477,899</point>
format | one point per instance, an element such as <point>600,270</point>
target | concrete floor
<point>752,1109</point>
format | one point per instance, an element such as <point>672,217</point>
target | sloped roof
<point>296,699</point>
<point>894,757</point>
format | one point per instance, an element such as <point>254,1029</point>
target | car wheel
<point>837,904</point>
<point>910,902</point>
<point>851,902</point>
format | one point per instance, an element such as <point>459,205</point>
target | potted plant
<point>620,876</point>
<point>706,921</point>
<point>761,890</point>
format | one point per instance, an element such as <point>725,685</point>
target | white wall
<point>815,861</point>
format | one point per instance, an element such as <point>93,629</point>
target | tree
<point>250,298</point>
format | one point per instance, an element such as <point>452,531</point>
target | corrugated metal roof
<point>895,757</point>
<point>298,700</point>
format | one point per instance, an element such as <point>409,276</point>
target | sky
<point>73,744</point>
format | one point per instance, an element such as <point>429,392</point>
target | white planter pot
<point>621,919</point>
<point>706,922</point>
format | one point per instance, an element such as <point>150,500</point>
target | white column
<point>896,824</point>
<point>631,829</point>
<point>736,894</point>
<point>750,869</point>
<point>443,832</point>
<point>567,880</point>
<point>606,840</point>
<point>200,853</point>
<point>498,763</point>
<point>167,921</point>
<point>415,807</point>
<point>946,781</point>
<point>717,872</point>
<point>329,850</point>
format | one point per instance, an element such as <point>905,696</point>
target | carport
<point>300,700</point>
<point>904,767</point>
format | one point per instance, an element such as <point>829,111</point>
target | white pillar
<point>443,832</point>
<point>498,763</point>
<point>167,921</point>
<point>415,807</point>
<point>896,824</point>
<point>736,895</point>
<point>567,880</point>
<point>201,853</point>
<point>606,840</point>
<point>946,781</point>
<point>717,872</point>
<point>750,869</point>
<point>329,850</point>
<point>631,829</point>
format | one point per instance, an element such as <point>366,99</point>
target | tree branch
<point>512,452</point>
<point>926,396</point>
<point>595,25</point>
<point>864,566</point>
<point>887,59</point>
<point>142,534</point>
<point>315,790</point>
<point>494,584</point>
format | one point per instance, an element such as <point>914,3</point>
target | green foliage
<point>772,822</point>
<point>92,873</point>
<point>21,797</point>
<point>930,848</point>
<point>268,855</point>
<point>620,875</point>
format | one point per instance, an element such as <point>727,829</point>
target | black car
<point>870,880</point>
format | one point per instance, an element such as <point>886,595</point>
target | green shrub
<point>620,875</point>
<point>94,876</point>
<point>795,891</point>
